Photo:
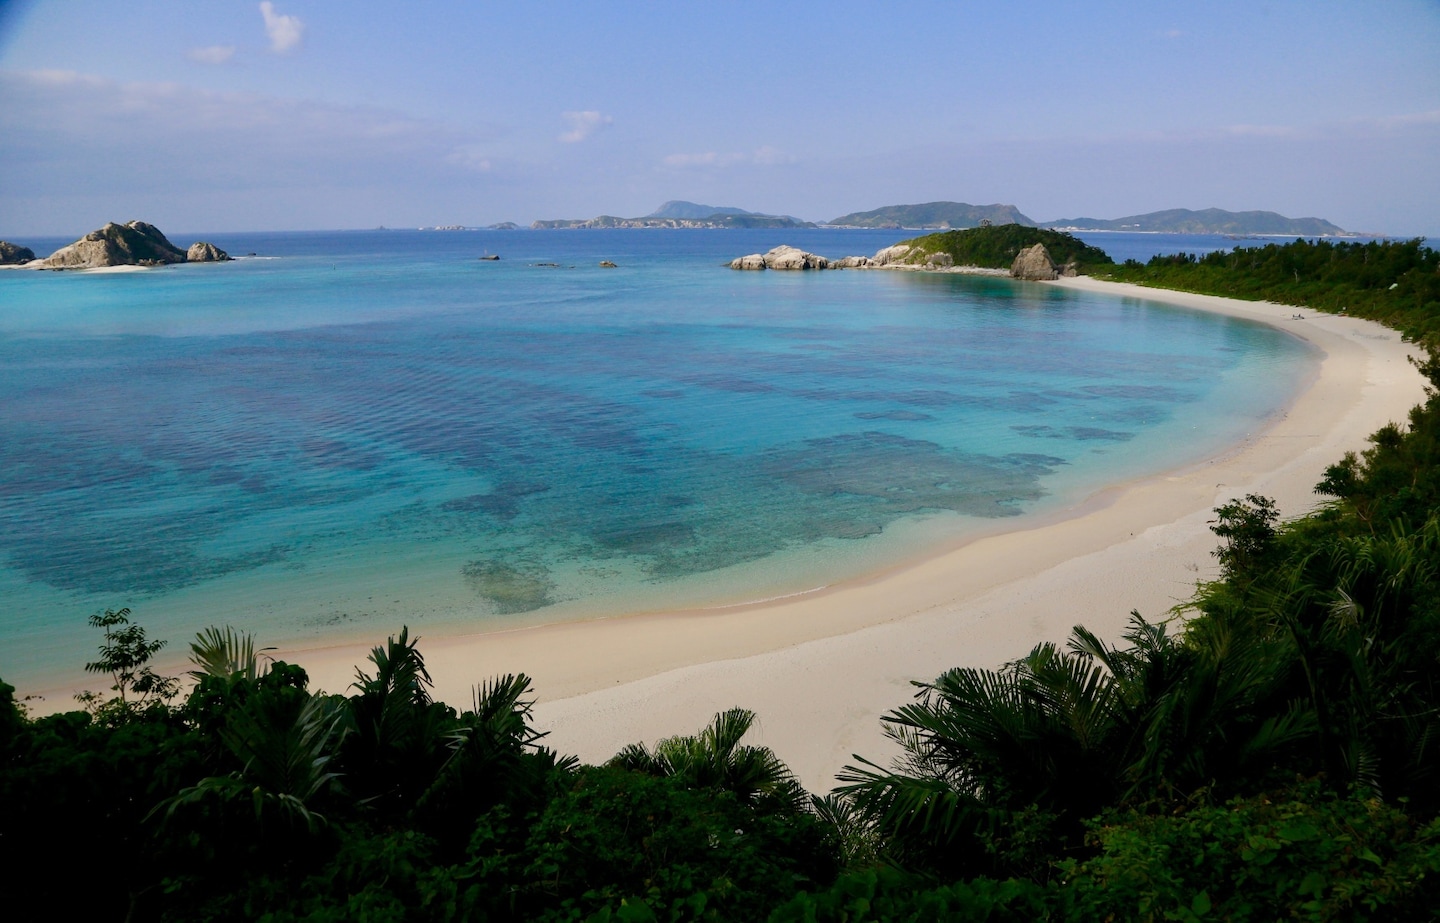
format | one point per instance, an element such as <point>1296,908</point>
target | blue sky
<point>299,114</point>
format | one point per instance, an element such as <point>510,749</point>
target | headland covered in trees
<point>1269,758</point>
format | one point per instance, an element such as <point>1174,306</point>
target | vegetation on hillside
<point>1205,221</point>
<point>1270,757</point>
<point>1394,282</point>
<point>995,247</point>
<point>933,215</point>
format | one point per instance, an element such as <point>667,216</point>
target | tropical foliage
<point>1266,752</point>
<point>1394,282</point>
<point>996,247</point>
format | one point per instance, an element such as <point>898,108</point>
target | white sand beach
<point>821,669</point>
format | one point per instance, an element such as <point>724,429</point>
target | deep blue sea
<point>350,431</point>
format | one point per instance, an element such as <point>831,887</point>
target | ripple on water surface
<point>447,445</point>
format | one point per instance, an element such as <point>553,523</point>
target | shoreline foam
<point>820,668</point>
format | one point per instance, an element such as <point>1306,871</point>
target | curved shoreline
<point>822,666</point>
<point>820,669</point>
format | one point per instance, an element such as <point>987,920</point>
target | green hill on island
<point>933,215</point>
<point>679,208</point>
<point>1205,221</point>
<point>681,214</point>
<point>996,247</point>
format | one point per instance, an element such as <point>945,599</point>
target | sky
<point>317,114</point>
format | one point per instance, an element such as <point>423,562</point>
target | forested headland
<point>1396,283</point>
<point>996,246</point>
<point>1268,754</point>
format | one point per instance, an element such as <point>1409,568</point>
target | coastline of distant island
<point>947,216</point>
<point>681,214</point>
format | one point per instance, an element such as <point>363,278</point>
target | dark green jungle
<point>1269,751</point>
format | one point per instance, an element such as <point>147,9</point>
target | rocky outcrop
<point>132,244</point>
<point>753,261</point>
<point>891,255</point>
<point>14,254</point>
<point>202,252</point>
<point>607,264</point>
<point>782,257</point>
<point>852,262</point>
<point>1034,264</point>
<point>939,260</point>
<point>785,257</point>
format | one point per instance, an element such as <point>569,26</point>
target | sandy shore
<point>820,670</point>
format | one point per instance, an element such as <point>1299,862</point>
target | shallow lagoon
<point>353,431</point>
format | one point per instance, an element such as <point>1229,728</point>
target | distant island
<point>681,214</point>
<point>959,215</point>
<point>134,243</point>
<point>937,215</point>
<point>1206,221</point>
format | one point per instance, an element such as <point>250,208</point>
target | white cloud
<point>707,159</point>
<point>190,136</point>
<point>286,32</point>
<point>1262,131</point>
<point>470,157</point>
<point>583,125</point>
<point>211,54</point>
<point>765,157</point>
<point>768,156</point>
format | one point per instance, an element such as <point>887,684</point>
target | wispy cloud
<point>765,156</point>
<point>286,32</point>
<point>470,157</point>
<point>190,136</point>
<point>1262,131</point>
<point>583,125</point>
<point>211,54</point>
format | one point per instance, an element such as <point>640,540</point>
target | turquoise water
<point>347,432</point>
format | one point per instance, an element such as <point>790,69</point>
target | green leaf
<point>638,912</point>
<point>1313,883</point>
<point>1201,904</point>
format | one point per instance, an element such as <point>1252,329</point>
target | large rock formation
<point>752,261</point>
<point>132,244</point>
<point>14,254</point>
<point>785,257</point>
<point>1034,264</point>
<point>202,252</point>
<point>890,255</point>
<point>782,257</point>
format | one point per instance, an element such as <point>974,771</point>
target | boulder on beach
<point>14,254</point>
<point>1034,264</point>
<point>202,252</point>
<point>851,262</point>
<point>133,244</point>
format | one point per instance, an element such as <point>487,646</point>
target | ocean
<point>342,432</point>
